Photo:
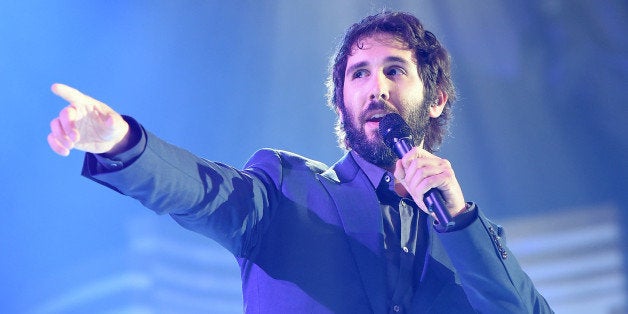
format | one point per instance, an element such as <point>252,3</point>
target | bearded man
<point>352,238</point>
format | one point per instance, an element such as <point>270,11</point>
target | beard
<point>375,150</point>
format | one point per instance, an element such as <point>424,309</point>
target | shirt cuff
<point>137,144</point>
<point>461,221</point>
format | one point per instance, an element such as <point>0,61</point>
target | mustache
<point>377,105</point>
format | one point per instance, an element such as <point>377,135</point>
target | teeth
<point>377,116</point>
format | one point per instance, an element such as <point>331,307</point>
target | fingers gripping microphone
<point>398,136</point>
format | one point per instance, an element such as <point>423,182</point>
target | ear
<point>436,109</point>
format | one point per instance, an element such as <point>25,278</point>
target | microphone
<point>398,136</point>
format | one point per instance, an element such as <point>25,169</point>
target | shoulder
<point>273,158</point>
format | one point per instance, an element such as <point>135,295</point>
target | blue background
<point>539,138</point>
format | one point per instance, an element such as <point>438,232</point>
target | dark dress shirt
<point>404,236</point>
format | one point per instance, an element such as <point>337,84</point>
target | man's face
<point>381,77</point>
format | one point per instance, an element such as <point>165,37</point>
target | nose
<point>380,88</point>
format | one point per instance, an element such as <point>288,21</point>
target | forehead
<point>369,46</point>
<point>379,38</point>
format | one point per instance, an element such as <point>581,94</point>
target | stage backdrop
<point>539,140</point>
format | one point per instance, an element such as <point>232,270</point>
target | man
<point>352,238</point>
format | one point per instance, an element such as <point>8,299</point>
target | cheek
<point>413,98</point>
<point>346,96</point>
<point>352,90</point>
<point>349,100</point>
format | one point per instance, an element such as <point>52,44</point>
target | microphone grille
<point>392,127</point>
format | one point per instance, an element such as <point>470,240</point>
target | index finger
<point>424,153</point>
<point>417,153</point>
<point>66,92</point>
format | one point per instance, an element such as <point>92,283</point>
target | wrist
<point>463,210</point>
<point>124,143</point>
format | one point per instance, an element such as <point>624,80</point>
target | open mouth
<point>375,118</point>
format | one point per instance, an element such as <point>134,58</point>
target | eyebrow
<point>361,64</point>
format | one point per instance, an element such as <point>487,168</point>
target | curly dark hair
<point>433,66</point>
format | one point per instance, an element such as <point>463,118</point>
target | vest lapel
<point>361,217</point>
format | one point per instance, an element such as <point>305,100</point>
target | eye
<point>393,71</point>
<point>359,74</point>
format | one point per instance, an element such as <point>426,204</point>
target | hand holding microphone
<point>427,178</point>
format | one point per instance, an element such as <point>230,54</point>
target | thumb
<point>400,172</point>
<point>108,118</point>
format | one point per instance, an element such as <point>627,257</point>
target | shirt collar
<point>373,172</point>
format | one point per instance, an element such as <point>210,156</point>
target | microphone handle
<point>433,199</point>
<point>435,203</point>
